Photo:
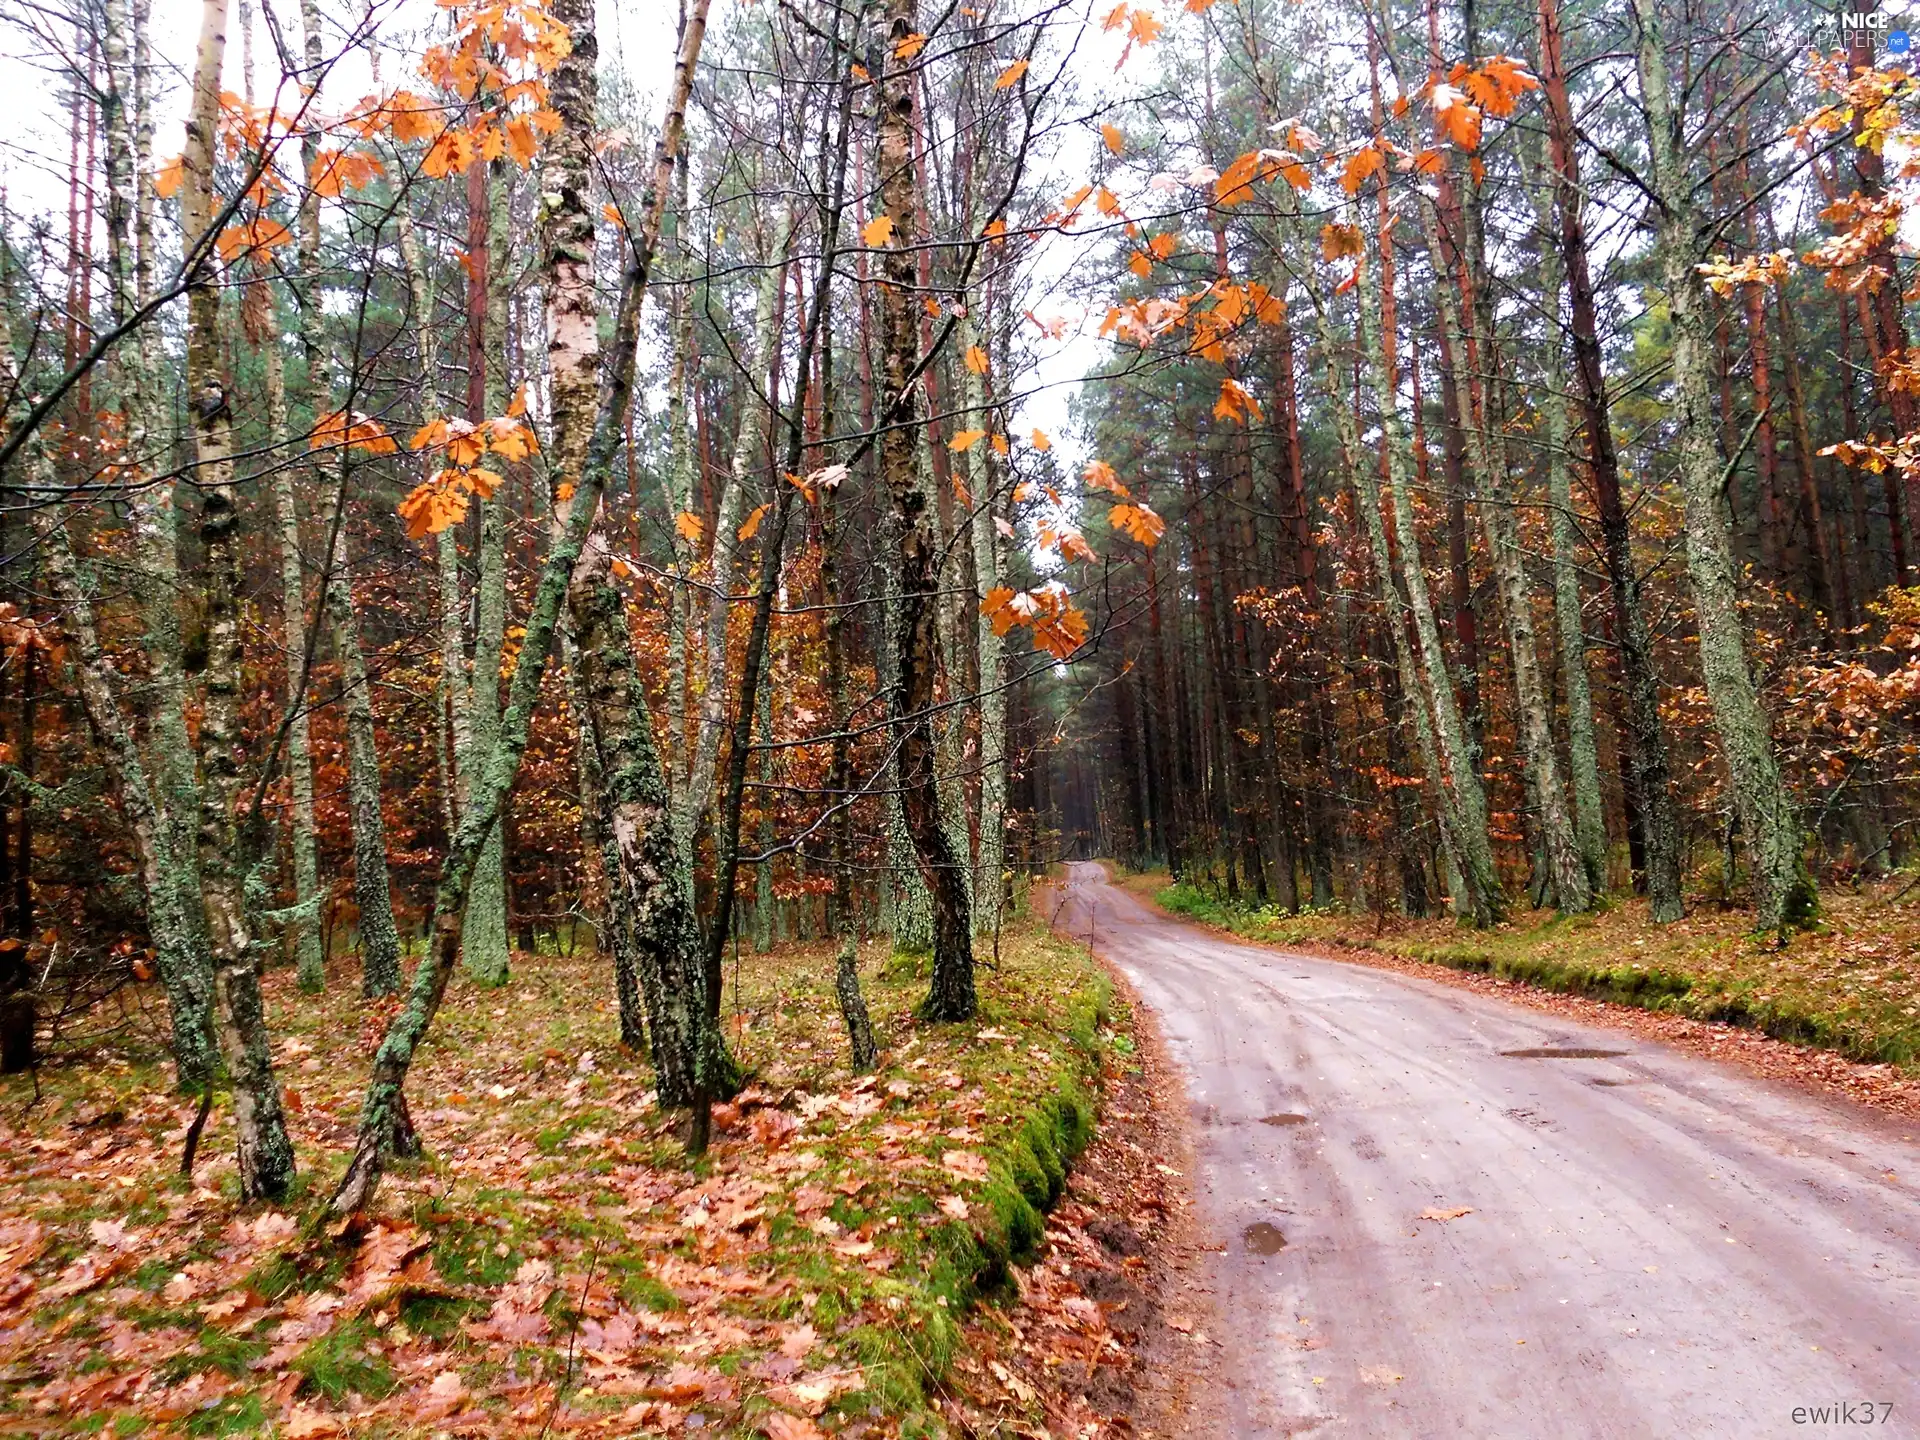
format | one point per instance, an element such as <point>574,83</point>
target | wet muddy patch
<point>1285,1117</point>
<point>1263,1237</point>
<point>1561,1052</point>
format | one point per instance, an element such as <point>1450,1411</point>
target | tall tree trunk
<point>1649,787</point>
<point>159,793</point>
<point>1784,890</point>
<point>863,1052</point>
<point>1469,797</point>
<point>1365,486</point>
<point>573,93</point>
<point>261,325</point>
<point>917,558</point>
<point>309,962</point>
<point>1572,891</point>
<point>485,945</point>
<point>264,1151</point>
<point>748,444</point>
<point>379,938</point>
<point>1583,754</point>
<point>990,860</point>
<point>158,583</point>
<point>649,872</point>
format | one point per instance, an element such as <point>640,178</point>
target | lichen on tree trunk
<point>916,555</point>
<point>265,1152</point>
<point>1784,893</point>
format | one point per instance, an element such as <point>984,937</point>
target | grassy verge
<point>1852,985</point>
<point>556,1263</point>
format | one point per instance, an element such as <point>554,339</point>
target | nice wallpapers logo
<point>1886,31</point>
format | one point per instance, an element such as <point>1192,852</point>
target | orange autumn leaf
<point>996,606</point>
<point>877,231</point>
<point>1041,442</point>
<point>1236,181</point>
<point>976,360</point>
<point>464,443</point>
<point>238,241</point>
<point>1143,28</point>
<point>1139,521</point>
<point>1010,77</point>
<point>1100,475</point>
<point>353,430</point>
<point>522,143</point>
<point>1164,244</point>
<point>334,171</point>
<point>610,212</point>
<point>688,525</point>
<point>1000,445</point>
<point>1364,163</point>
<point>1140,265</point>
<point>1458,117</point>
<point>1236,402</point>
<point>751,526</point>
<point>1115,142</point>
<point>510,439</point>
<point>908,46</point>
<point>965,440</point>
<point>1498,84</point>
<point>1338,240</point>
<point>410,116</point>
<point>167,183</point>
<point>996,231</point>
<point>451,153</point>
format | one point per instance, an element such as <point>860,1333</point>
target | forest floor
<point>1837,1007</point>
<point>557,1264</point>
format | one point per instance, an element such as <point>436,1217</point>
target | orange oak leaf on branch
<point>1236,402</point>
<point>1058,627</point>
<point>440,501</point>
<point>352,429</point>
<point>1100,476</point>
<point>1139,521</point>
<point>1722,274</point>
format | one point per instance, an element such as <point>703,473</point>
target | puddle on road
<point>1263,1238</point>
<point>1561,1052</point>
<point>1287,1118</point>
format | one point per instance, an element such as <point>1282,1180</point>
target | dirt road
<point>1617,1240</point>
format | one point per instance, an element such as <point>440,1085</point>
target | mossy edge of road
<point>971,1262</point>
<point>1711,972</point>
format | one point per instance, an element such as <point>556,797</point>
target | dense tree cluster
<point>1525,535</point>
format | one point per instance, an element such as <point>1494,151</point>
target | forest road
<point>1637,1243</point>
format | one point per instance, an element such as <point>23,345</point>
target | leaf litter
<point>555,1264</point>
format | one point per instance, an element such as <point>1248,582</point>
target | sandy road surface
<point>1657,1246</point>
